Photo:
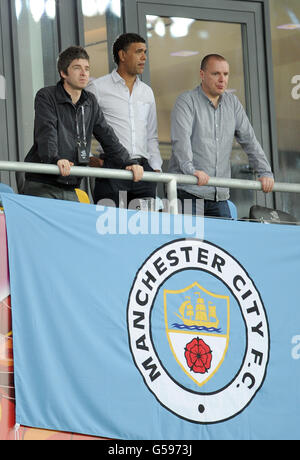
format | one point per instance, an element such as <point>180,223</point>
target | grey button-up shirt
<point>202,138</point>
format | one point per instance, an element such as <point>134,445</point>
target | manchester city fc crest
<point>198,331</point>
<point>197,325</point>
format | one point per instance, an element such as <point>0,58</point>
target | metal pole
<point>172,196</point>
<point>148,176</point>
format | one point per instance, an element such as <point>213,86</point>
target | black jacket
<point>55,133</point>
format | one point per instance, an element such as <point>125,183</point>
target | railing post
<point>172,196</point>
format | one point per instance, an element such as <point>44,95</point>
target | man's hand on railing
<point>64,167</point>
<point>202,177</point>
<point>96,162</point>
<point>267,184</point>
<point>137,171</point>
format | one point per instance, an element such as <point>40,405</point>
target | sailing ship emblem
<point>200,315</point>
<point>203,319</point>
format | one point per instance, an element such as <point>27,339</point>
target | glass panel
<point>102,25</point>
<point>285,27</point>
<point>176,48</point>
<point>36,54</point>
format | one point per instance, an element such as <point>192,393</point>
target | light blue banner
<point>191,332</point>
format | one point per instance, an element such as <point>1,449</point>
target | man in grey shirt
<point>204,124</point>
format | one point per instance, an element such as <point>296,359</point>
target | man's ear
<point>63,75</point>
<point>122,55</point>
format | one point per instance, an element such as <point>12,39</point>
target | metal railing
<point>171,180</point>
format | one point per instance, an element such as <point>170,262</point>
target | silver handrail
<point>171,180</point>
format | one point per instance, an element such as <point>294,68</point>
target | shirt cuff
<point>156,166</point>
<point>265,174</point>
<point>188,169</point>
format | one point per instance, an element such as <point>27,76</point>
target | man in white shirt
<point>129,107</point>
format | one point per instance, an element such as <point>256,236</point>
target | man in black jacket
<point>66,117</point>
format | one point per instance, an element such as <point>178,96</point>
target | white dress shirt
<point>132,116</point>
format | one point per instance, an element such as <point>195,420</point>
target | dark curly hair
<point>123,42</point>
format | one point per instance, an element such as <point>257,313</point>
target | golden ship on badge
<point>200,315</point>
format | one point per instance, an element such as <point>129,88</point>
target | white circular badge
<point>198,342</point>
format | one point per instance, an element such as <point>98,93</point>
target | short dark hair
<point>68,56</point>
<point>205,60</point>
<point>123,42</point>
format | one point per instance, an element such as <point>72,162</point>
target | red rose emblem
<point>198,356</point>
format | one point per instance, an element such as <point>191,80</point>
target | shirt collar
<point>118,79</point>
<point>207,98</point>
<point>63,96</point>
